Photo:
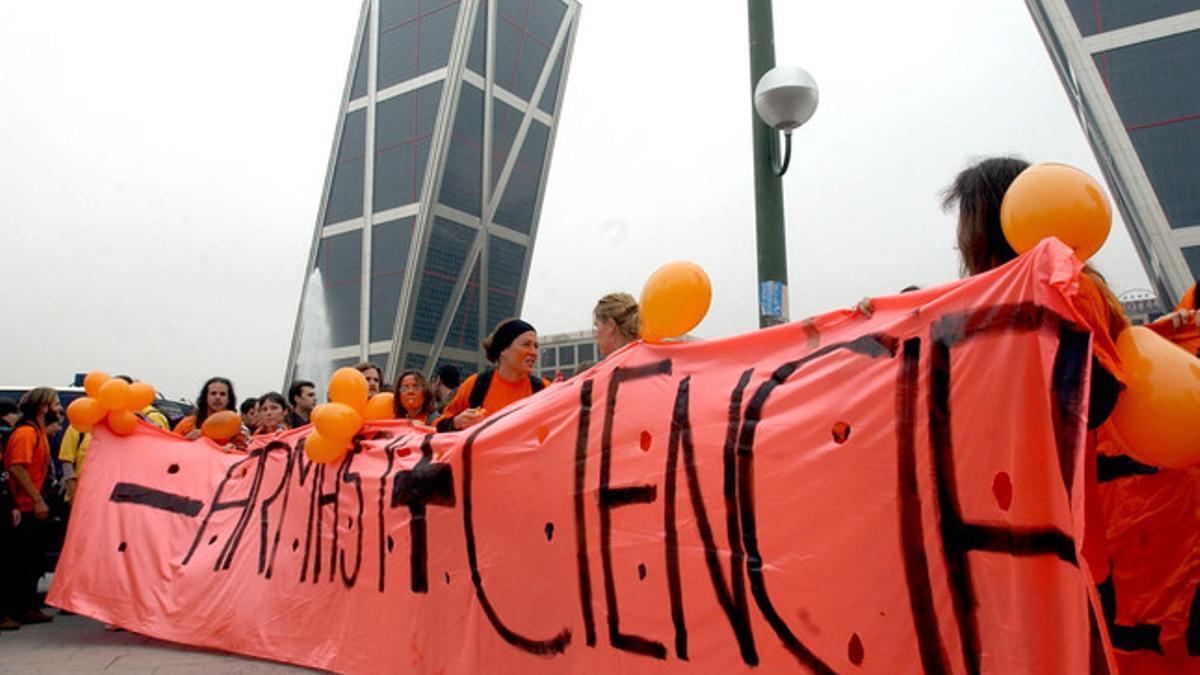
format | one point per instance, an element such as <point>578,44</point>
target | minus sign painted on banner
<point>131,493</point>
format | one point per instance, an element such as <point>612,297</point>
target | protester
<point>374,375</point>
<point>1182,326</point>
<point>616,322</point>
<point>10,517</point>
<point>978,191</point>
<point>216,395</point>
<point>27,458</point>
<point>302,396</point>
<point>71,451</point>
<point>413,398</point>
<point>513,348</point>
<point>272,413</point>
<point>445,383</point>
<point>249,412</point>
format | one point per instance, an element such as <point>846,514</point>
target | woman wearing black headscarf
<point>513,349</point>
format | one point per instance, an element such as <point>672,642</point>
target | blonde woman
<point>616,322</point>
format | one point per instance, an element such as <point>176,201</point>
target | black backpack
<point>484,382</point>
<point>479,392</point>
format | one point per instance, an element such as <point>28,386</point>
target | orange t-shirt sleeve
<point>1093,309</point>
<point>186,425</point>
<point>1188,301</point>
<point>460,402</point>
<point>22,445</point>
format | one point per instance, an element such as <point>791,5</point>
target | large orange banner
<point>900,493</point>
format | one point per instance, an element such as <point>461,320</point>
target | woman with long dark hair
<point>413,397</point>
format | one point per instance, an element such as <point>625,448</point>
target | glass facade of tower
<point>1130,68</point>
<point>436,177</point>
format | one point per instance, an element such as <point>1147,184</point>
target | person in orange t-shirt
<point>27,457</point>
<point>513,347</point>
<point>1182,326</point>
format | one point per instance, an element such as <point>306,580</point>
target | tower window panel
<point>1154,83</point>
<point>390,243</point>
<point>519,201</point>
<point>414,38</point>
<point>346,187</point>
<point>550,93</point>
<point>447,253</point>
<point>1168,153</point>
<point>506,263</point>
<point>464,327</point>
<point>525,30</point>
<point>340,260</point>
<point>403,132</point>
<point>462,179</point>
<point>506,120</point>
<point>477,57</point>
<point>1098,16</point>
<point>358,88</point>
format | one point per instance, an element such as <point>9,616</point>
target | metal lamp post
<point>784,98</point>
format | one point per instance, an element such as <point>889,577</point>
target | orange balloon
<point>93,382</point>
<point>1156,414</point>
<point>114,395</point>
<point>674,300</point>
<point>348,386</point>
<point>323,450</point>
<point>337,421</point>
<point>380,407</point>
<point>122,422</point>
<point>1056,200</point>
<point>222,426</point>
<point>141,395</point>
<point>84,412</point>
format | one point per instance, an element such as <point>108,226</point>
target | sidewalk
<point>78,645</point>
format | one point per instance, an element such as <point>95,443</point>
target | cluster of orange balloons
<point>336,424</point>
<point>674,300</point>
<point>110,400</point>
<point>1056,200</point>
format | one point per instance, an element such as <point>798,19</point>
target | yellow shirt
<point>74,448</point>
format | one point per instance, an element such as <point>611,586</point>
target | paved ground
<point>77,645</point>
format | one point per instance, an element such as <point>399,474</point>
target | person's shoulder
<point>23,433</point>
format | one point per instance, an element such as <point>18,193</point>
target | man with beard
<point>27,458</point>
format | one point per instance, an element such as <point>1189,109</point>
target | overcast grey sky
<point>161,166</point>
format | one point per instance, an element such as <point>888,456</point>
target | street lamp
<point>785,98</point>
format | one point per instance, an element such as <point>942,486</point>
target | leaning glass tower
<point>1130,69</point>
<point>430,206</point>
